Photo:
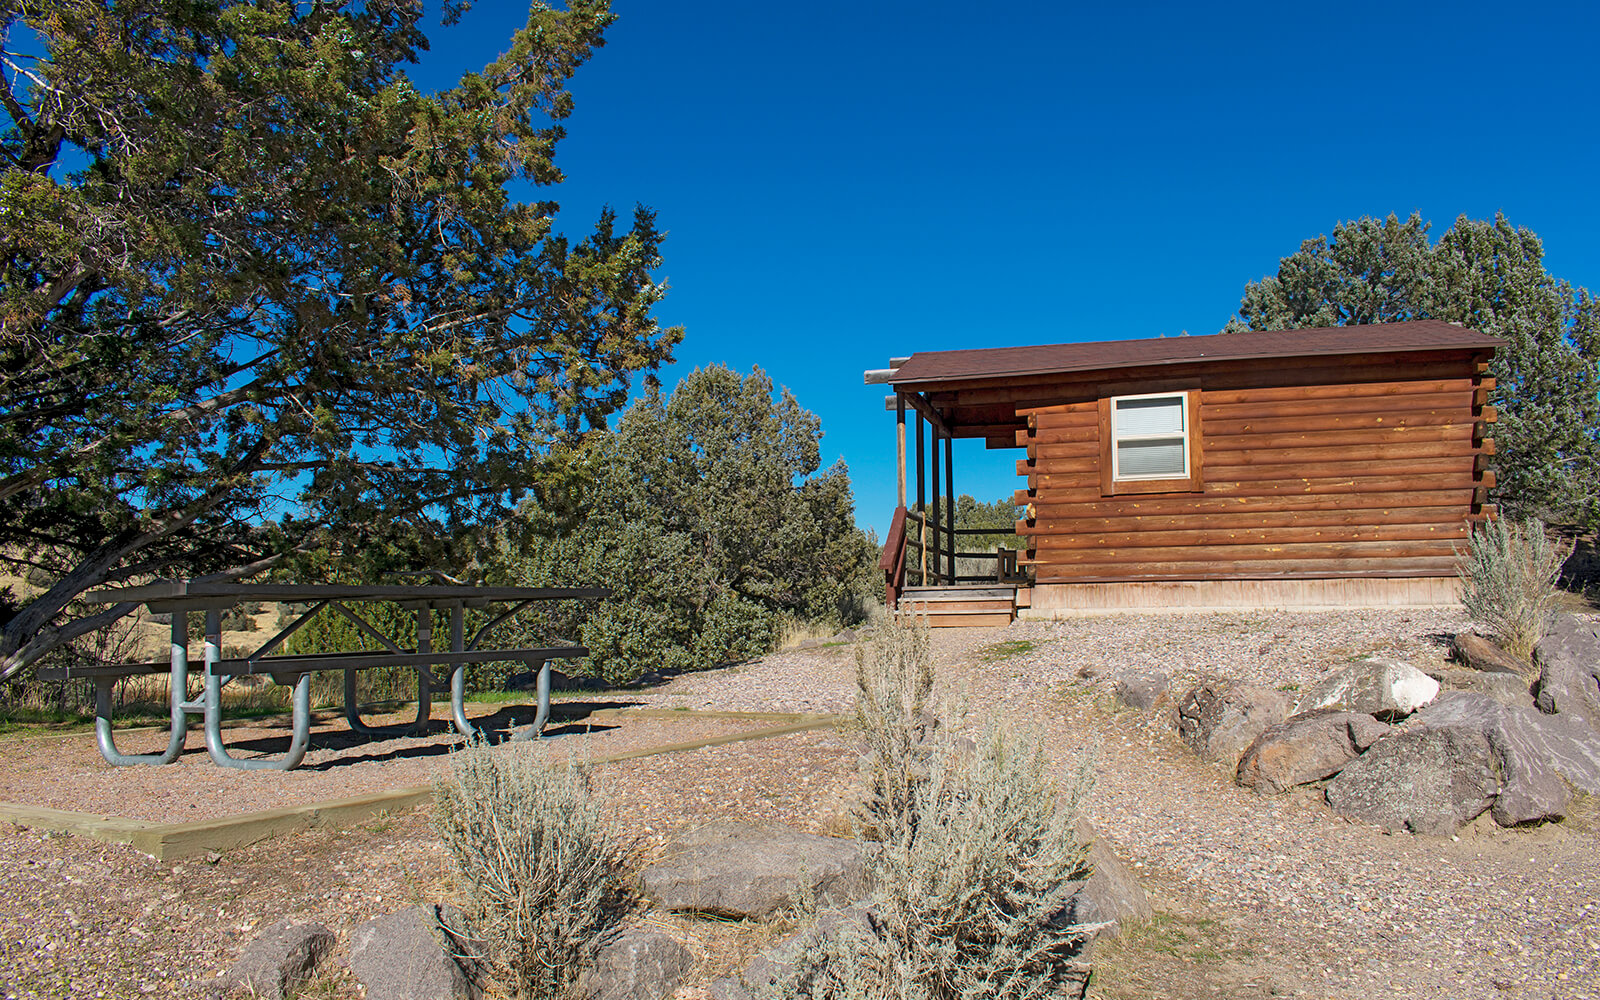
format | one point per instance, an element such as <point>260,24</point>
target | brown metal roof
<point>1376,338</point>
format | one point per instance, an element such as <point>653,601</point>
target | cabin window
<point>1150,443</point>
<point>1150,436</point>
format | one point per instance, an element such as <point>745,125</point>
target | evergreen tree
<point>1488,276</point>
<point>707,516</point>
<point>258,294</point>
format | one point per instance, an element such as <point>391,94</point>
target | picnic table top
<point>177,590</point>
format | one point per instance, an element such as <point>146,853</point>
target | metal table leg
<point>352,702</point>
<point>540,720</point>
<point>458,676</point>
<point>177,694</point>
<point>352,708</point>
<point>298,742</point>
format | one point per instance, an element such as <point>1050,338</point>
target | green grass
<point>509,697</point>
<point>1157,951</point>
<point>1005,650</point>
<point>29,721</point>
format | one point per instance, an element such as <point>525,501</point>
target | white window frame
<point>1117,439</point>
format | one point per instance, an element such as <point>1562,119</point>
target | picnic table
<point>179,597</point>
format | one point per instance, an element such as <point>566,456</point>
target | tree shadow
<point>567,718</point>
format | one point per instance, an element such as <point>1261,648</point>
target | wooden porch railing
<point>934,561</point>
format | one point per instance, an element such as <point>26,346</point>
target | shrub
<point>976,860</point>
<point>708,516</point>
<point>1508,581</point>
<point>543,868</point>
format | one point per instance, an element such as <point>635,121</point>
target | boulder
<point>1481,654</point>
<point>279,960</point>
<point>1424,780</point>
<point>637,964</point>
<point>728,989</point>
<point>1378,686</point>
<point>1110,894</point>
<point>740,871</point>
<point>1218,719</point>
<point>405,956</point>
<point>770,967</point>
<point>1507,689</point>
<point>1307,748</point>
<point>1540,758</point>
<point>1140,689</point>
<point>1568,658</point>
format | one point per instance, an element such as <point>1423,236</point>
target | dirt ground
<point>1254,897</point>
<point>67,771</point>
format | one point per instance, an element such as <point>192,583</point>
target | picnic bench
<point>179,597</point>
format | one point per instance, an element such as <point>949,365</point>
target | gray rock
<point>1568,658</point>
<point>773,965</point>
<point>1307,748</point>
<point>281,958</point>
<point>1218,719</point>
<point>1378,686</point>
<point>1507,689</point>
<point>739,870</point>
<point>728,989</point>
<point>1422,779</point>
<point>403,956</point>
<point>1111,894</point>
<point>636,965</point>
<point>1141,689</point>
<point>1540,758</point>
<point>1480,654</point>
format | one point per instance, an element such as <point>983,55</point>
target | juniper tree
<point>707,512</point>
<point>258,291</point>
<point>1489,276</point>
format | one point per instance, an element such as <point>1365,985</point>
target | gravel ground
<point>67,772</point>
<point>1256,897</point>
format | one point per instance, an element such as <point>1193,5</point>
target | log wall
<point>1366,466</point>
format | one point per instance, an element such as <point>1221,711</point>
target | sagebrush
<point>543,866</point>
<point>975,860</point>
<point>1509,575</point>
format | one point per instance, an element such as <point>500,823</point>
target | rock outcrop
<point>1507,689</point>
<point>1465,753</point>
<point>1378,686</point>
<point>740,870</point>
<point>1568,658</point>
<point>279,960</point>
<point>404,956</point>
<point>637,964</point>
<point>1423,780</point>
<point>1539,758</point>
<point>1111,894</point>
<point>1307,748</point>
<point>1479,653</point>
<point>1219,719</point>
<point>1140,689</point>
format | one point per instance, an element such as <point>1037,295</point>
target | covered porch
<point>931,566</point>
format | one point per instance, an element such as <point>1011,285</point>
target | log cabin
<point>1304,468</point>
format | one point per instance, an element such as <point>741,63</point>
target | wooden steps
<point>959,607</point>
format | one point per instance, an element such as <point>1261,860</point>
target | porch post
<point>922,496</point>
<point>950,501</point>
<point>900,446</point>
<point>933,437</point>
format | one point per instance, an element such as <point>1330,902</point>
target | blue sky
<point>843,182</point>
